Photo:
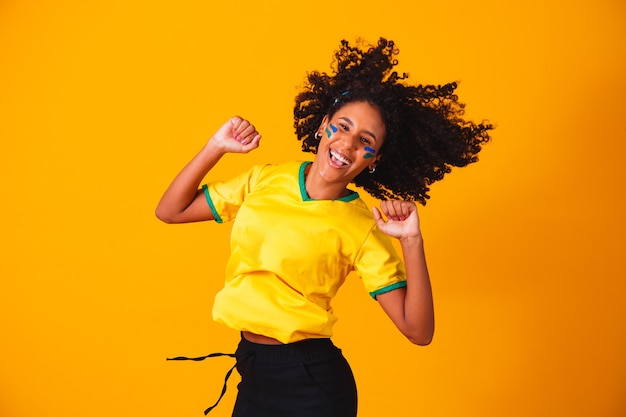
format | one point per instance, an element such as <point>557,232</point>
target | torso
<point>260,339</point>
<point>291,253</point>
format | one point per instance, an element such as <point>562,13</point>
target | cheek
<point>333,129</point>
<point>369,152</point>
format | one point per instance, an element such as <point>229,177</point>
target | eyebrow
<point>345,119</point>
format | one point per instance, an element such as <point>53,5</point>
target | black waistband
<point>302,351</point>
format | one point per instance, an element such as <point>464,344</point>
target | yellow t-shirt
<point>290,253</point>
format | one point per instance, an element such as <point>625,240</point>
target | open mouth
<point>338,159</point>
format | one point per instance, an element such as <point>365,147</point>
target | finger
<point>376,212</point>
<point>397,210</point>
<point>384,206</point>
<point>235,121</point>
<point>387,209</point>
<point>247,134</point>
<point>245,128</point>
<point>410,207</point>
<point>235,129</point>
<point>253,143</point>
<point>378,217</point>
<point>392,210</point>
<point>239,128</point>
<point>403,209</point>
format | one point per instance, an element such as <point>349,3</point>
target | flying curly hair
<point>426,134</point>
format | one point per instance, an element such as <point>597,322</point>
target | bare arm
<point>410,308</point>
<point>183,201</point>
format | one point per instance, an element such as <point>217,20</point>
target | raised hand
<point>183,201</point>
<point>237,135</point>
<point>402,219</point>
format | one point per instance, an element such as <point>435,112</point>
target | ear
<point>375,160</point>
<point>324,124</point>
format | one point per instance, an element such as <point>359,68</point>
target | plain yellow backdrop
<point>101,103</point>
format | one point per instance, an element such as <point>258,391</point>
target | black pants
<point>310,378</point>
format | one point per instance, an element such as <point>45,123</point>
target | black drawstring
<point>201,358</point>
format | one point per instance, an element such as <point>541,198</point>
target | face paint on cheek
<point>333,128</point>
<point>370,152</point>
<point>328,132</point>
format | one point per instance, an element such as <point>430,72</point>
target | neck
<point>319,189</point>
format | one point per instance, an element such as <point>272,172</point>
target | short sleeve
<point>379,265</point>
<point>225,197</point>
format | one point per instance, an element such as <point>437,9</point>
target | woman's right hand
<point>237,135</point>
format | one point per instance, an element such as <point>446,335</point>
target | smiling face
<point>350,142</point>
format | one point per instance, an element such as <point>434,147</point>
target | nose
<point>348,141</point>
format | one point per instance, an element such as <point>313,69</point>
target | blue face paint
<point>333,128</point>
<point>370,152</point>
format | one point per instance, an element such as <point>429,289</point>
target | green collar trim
<point>305,196</point>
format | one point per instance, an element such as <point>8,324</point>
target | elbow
<point>423,338</point>
<point>164,216</point>
<point>420,341</point>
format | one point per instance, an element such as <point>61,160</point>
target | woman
<point>299,230</point>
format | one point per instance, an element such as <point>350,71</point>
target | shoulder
<point>358,209</point>
<point>291,167</point>
<point>286,171</point>
<point>353,217</point>
<point>263,172</point>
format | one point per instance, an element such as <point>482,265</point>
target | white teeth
<point>339,157</point>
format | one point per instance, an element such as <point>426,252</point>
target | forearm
<point>184,188</point>
<point>419,317</point>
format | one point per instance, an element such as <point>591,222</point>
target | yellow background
<point>102,102</point>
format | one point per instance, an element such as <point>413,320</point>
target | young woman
<point>299,230</point>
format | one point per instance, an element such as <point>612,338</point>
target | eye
<point>343,127</point>
<point>366,140</point>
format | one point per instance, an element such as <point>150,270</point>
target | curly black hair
<point>425,133</point>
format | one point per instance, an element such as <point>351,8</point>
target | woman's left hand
<point>402,219</point>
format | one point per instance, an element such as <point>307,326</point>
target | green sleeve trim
<point>388,288</point>
<point>207,196</point>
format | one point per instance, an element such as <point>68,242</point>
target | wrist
<point>411,241</point>
<point>213,147</point>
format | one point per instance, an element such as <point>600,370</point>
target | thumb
<point>377,215</point>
